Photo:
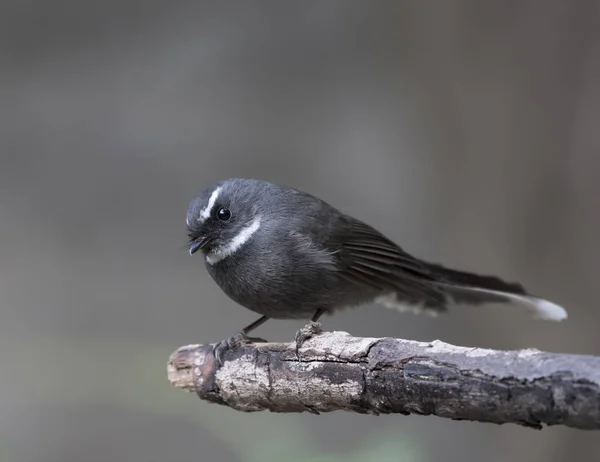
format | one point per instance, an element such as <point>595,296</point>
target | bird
<point>286,254</point>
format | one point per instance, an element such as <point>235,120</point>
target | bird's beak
<point>197,245</point>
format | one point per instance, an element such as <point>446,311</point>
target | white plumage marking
<point>538,307</point>
<point>550,311</point>
<point>391,302</point>
<point>238,241</point>
<point>205,212</point>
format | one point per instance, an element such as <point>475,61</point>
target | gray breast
<point>289,280</point>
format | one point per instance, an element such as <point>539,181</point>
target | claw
<point>232,343</point>
<point>308,331</point>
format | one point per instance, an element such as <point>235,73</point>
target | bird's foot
<point>233,342</point>
<point>308,331</point>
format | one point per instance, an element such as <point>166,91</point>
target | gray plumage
<point>284,253</point>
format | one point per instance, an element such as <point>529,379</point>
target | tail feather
<point>474,289</point>
<point>464,278</point>
<point>537,307</point>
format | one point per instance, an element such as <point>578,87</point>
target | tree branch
<point>335,371</point>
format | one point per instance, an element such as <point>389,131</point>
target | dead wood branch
<point>335,371</point>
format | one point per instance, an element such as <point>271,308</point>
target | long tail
<point>474,289</point>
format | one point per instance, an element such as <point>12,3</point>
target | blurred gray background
<point>467,131</point>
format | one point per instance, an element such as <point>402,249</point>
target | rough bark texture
<point>335,371</point>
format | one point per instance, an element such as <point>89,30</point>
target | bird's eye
<point>223,214</point>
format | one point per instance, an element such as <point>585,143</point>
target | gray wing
<point>367,258</point>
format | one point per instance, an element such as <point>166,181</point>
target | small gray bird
<point>286,254</point>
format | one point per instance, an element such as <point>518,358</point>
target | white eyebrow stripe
<point>205,212</point>
<point>238,241</point>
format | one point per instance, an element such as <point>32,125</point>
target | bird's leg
<point>246,330</point>
<point>320,312</point>
<point>239,338</point>
<point>309,330</point>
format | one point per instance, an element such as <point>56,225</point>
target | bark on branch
<point>335,371</point>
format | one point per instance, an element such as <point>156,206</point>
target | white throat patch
<point>234,245</point>
<point>205,212</point>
